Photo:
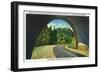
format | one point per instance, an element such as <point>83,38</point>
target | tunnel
<point>35,24</point>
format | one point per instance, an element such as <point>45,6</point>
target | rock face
<point>83,47</point>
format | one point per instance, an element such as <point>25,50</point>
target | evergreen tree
<point>53,36</point>
<point>43,38</point>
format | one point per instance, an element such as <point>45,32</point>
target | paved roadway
<point>60,52</point>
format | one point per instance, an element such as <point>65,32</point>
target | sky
<point>58,23</point>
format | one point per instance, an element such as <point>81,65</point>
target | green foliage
<point>43,38</point>
<point>64,36</point>
<point>73,43</point>
<point>55,36</point>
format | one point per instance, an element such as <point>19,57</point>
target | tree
<point>64,35</point>
<point>43,38</point>
<point>53,35</point>
<point>56,36</point>
<point>61,36</point>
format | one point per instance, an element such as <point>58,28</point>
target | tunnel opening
<point>57,32</point>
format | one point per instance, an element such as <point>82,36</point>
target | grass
<point>43,52</point>
<point>82,49</point>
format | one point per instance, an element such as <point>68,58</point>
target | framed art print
<point>52,36</point>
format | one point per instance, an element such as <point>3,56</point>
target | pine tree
<point>43,38</point>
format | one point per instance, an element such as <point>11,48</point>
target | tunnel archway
<point>61,31</point>
<point>36,23</point>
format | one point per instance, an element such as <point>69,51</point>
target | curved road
<point>60,52</point>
